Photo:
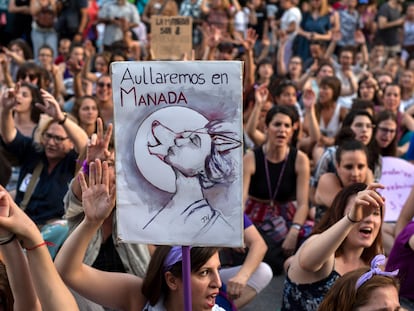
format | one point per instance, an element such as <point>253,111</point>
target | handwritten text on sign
<point>171,37</point>
<point>398,179</point>
<point>132,81</point>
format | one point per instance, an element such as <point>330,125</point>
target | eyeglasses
<point>103,84</point>
<point>57,139</point>
<point>387,130</point>
<point>366,125</point>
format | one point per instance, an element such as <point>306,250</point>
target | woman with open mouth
<point>162,289</point>
<point>347,238</point>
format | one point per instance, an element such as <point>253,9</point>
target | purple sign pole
<point>187,277</point>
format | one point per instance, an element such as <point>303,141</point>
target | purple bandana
<point>175,255</point>
<point>375,270</point>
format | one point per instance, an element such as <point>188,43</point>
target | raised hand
<point>250,41</point>
<point>282,36</point>
<point>51,106</point>
<point>9,52</point>
<point>260,94</point>
<point>212,34</point>
<point>8,98</point>
<point>90,50</point>
<point>15,220</point>
<point>314,67</point>
<point>99,143</point>
<point>97,198</point>
<point>309,98</point>
<point>367,202</point>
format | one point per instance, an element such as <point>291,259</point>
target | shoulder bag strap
<point>32,183</point>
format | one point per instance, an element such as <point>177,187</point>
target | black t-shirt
<point>389,36</point>
<point>258,182</point>
<point>261,15</point>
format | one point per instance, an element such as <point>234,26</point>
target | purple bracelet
<point>85,167</point>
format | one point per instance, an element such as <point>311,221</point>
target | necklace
<point>269,185</point>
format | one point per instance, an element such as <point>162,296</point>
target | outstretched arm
<point>4,64</point>
<point>318,252</point>
<point>260,95</point>
<point>336,36</point>
<point>86,68</point>
<point>17,267</point>
<point>52,292</point>
<point>281,66</point>
<point>8,130</point>
<point>115,290</point>
<point>309,101</point>
<point>249,66</point>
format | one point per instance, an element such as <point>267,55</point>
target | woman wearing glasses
<point>46,167</point>
<point>385,144</point>
<point>385,135</point>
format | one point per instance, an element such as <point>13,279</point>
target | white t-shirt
<point>241,20</point>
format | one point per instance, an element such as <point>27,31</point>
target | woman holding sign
<point>163,287</point>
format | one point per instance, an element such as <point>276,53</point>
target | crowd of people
<point>328,92</point>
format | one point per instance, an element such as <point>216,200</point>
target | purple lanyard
<point>269,185</point>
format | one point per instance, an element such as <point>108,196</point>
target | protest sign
<point>178,138</point>
<point>398,179</point>
<point>171,37</point>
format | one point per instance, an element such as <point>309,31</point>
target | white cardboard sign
<point>398,179</point>
<point>178,138</point>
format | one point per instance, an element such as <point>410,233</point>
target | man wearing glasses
<point>48,167</point>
